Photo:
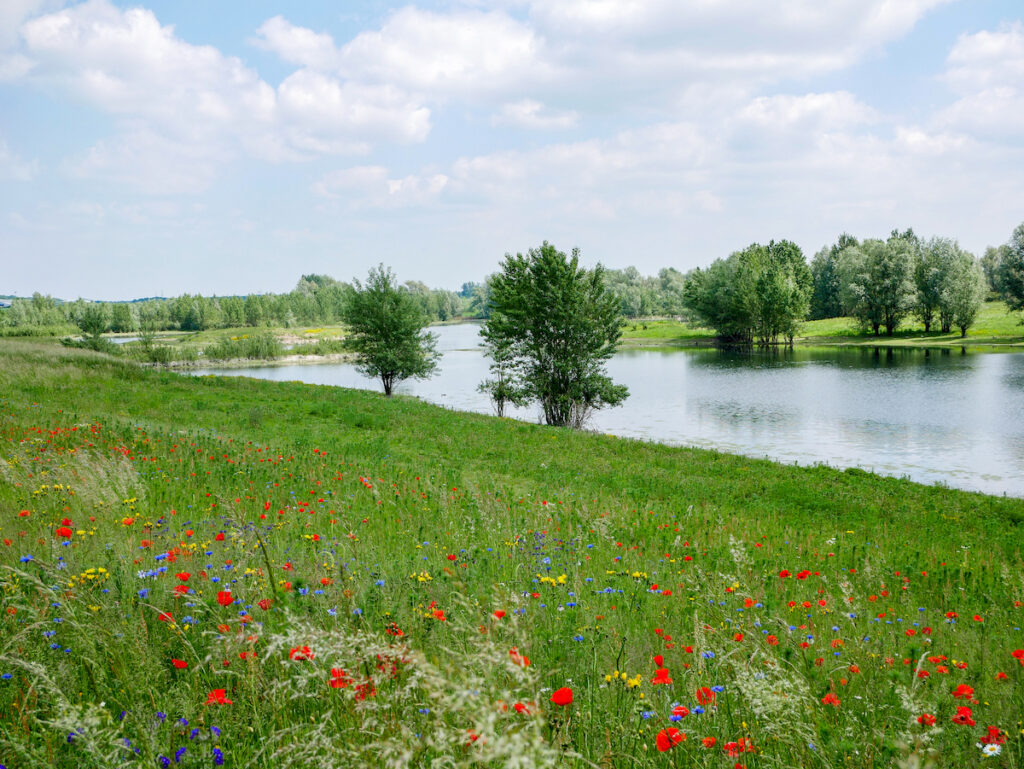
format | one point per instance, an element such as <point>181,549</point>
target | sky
<point>231,147</point>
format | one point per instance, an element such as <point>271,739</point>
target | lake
<point>930,415</point>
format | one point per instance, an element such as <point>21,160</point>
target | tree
<point>552,327</point>
<point>1011,270</point>
<point>963,291</point>
<point>877,282</point>
<point>990,262</point>
<point>122,318</point>
<point>756,295</point>
<point>92,319</point>
<point>826,301</point>
<point>386,331</point>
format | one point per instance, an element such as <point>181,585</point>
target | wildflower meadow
<point>224,572</point>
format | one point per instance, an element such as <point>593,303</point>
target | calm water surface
<point>934,416</point>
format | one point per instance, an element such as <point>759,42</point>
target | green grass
<point>354,518</point>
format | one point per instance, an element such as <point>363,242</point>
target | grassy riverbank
<point>996,327</point>
<point>315,576</point>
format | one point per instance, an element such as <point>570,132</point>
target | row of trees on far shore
<point>883,282</point>
<point>758,295</point>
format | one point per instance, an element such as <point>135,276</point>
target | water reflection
<point>934,415</point>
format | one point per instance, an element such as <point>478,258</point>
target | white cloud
<point>837,109</point>
<point>528,113</point>
<point>297,45</point>
<point>455,53</point>
<point>986,70</point>
<point>371,187</point>
<point>195,108</point>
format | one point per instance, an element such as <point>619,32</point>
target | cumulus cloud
<point>528,113</point>
<point>196,106</point>
<point>986,70</point>
<point>372,187</point>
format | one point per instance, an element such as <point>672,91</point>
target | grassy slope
<point>576,487</point>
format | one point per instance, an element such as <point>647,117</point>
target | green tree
<point>758,294</point>
<point>878,282</point>
<point>552,327</point>
<point>92,319</point>
<point>386,331</point>
<point>963,291</point>
<point>932,265</point>
<point>122,317</point>
<point>990,265</point>
<point>826,301</point>
<point>1011,270</point>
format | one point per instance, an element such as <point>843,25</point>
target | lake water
<point>933,416</point>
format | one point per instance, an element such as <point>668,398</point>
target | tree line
<point>758,295</point>
<point>761,294</point>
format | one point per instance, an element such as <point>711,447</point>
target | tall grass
<point>258,346</point>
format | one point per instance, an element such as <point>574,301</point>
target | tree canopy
<point>552,327</point>
<point>386,331</point>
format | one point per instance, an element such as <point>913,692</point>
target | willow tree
<point>552,327</point>
<point>386,330</point>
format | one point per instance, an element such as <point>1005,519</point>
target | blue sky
<point>229,147</point>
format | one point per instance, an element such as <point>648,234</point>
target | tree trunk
<point>927,326</point>
<point>963,331</point>
<point>388,384</point>
<point>876,326</point>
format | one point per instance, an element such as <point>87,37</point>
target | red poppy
<point>708,742</point>
<point>180,589</point>
<point>562,696</point>
<point>217,697</point>
<point>224,597</point>
<point>300,653</point>
<point>165,616</point>
<point>661,677</point>
<point>183,576</point>
<point>669,738</point>
<point>926,719</point>
<point>339,679</point>
<point>264,603</point>
<point>830,699</point>
<point>680,711</point>
<point>963,716</point>
<point>220,536</point>
<point>521,708</point>
<point>499,614</point>
<point>65,532</point>
<point>963,692</point>
<point>179,664</point>
<point>705,696</point>
<point>994,737</point>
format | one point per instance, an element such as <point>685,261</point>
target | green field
<point>996,326</point>
<point>272,574</point>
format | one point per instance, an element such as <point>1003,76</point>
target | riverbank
<point>288,556</point>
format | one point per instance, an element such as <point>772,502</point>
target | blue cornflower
<point>218,757</point>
